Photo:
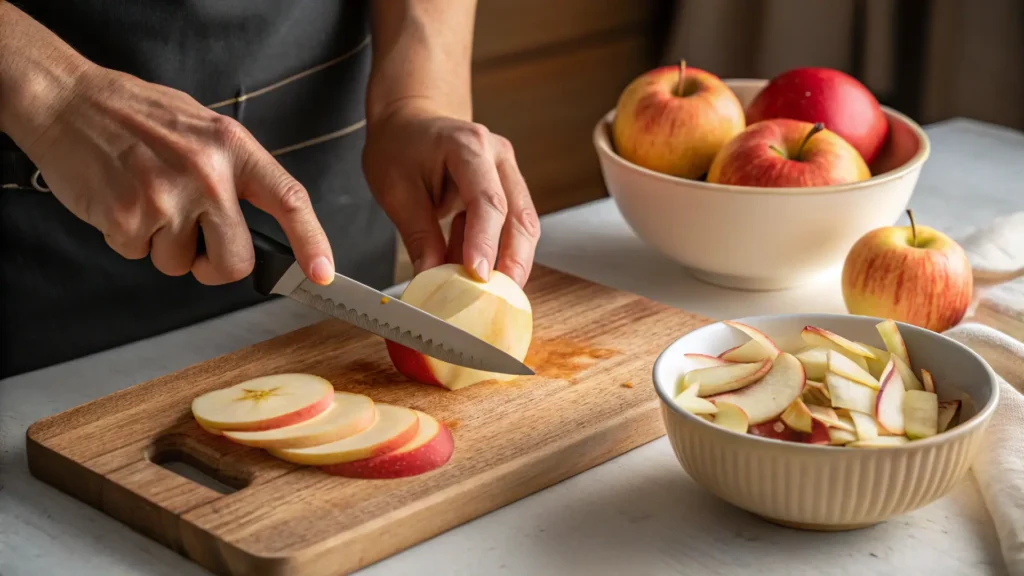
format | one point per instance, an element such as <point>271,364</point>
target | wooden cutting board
<point>591,400</point>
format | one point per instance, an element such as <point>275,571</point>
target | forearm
<point>38,72</point>
<point>422,54</point>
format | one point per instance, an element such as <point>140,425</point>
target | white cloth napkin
<point>996,251</point>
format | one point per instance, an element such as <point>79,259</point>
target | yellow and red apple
<point>497,311</point>
<point>913,274</point>
<point>783,153</point>
<point>675,119</point>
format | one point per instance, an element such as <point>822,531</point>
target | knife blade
<point>277,272</point>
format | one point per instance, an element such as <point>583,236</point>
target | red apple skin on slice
<point>348,415</point>
<point>777,430</point>
<point>893,340</point>
<point>394,427</point>
<point>889,404</point>
<point>819,434</point>
<point>815,336</point>
<point>767,398</point>
<point>757,336</point>
<point>264,403</point>
<point>431,448</point>
<point>720,379</point>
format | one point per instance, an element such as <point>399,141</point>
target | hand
<point>149,167</point>
<point>422,165</point>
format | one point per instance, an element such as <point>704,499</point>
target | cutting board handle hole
<point>187,466</point>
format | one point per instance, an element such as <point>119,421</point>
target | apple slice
<point>828,417</point>
<point>690,391</point>
<point>815,361</point>
<point>880,442</point>
<point>865,425</point>
<point>889,406</point>
<point>798,417</point>
<point>689,400</point>
<point>264,403</point>
<point>910,382</point>
<point>920,414</point>
<point>775,429</point>
<point>819,434</point>
<point>720,379</point>
<point>820,387</point>
<point>846,393</point>
<point>705,361</point>
<point>847,368</point>
<point>393,428</point>
<point>927,381</point>
<point>767,398</point>
<point>431,448</point>
<point>893,340</point>
<point>349,414</point>
<point>877,364</point>
<point>947,410</point>
<point>840,437</point>
<point>751,351</point>
<point>731,417</point>
<point>757,336</point>
<point>820,337</point>
<point>813,396</point>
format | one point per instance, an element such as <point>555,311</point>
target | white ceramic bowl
<point>762,238</point>
<point>828,487</point>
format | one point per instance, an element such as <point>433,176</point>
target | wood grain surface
<point>591,400</point>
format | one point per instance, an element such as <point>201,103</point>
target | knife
<point>277,272</point>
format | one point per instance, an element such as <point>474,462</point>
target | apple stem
<point>818,127</point>
<point>681,88</point>
<point>776,150</point>
<point>913,227</point>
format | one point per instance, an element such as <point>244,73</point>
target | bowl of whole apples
<point>756,184</point>
<point>824,421</point>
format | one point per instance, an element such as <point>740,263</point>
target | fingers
<point>522,227</point>
<point>229,255</point>
<point>413,216</point>
<point>174,249</point>
<point>456,238</point>
<point>262,181</point>
<point>132,248</point>
<point>479,185</point>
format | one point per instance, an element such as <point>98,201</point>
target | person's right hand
<point>149,167</point>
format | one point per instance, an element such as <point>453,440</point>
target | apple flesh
<point>927,381</point>
<point>798,417</point>
<point>675,119</point>
<point>705,361</point>
<point>785,153</point>
<point>920,414</point>
<point>750,351</point>
<point>815,361</point>
<point>843,366</point>
<point>767,398</point>
<point>840,437</point>
<point>836,99</point>
<point>830,418</point>
<point>431,448</point>
<point>394,427</point>
<point>497,311</point>
<point>889,406</point>
<point>815,336</point>
<point>757,336</point>
<point>865,425</point>
<point>264,403</point>
<point>720,379</point>
<point>731,417</point>
<point>349,414</point>
<point>846,393</point>
<point>947,411</point>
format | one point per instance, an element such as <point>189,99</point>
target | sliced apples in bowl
<point>801,418</point>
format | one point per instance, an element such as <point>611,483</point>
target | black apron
<point>293,72</point>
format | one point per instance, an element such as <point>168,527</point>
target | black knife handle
<point>273,259</point>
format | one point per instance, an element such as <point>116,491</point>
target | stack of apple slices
<point>833,391</point>
<point>300,418</point>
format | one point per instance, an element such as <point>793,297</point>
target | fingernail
<point>483,271</point>
<point>323,272</point>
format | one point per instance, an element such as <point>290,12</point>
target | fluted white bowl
<point>827,487</point>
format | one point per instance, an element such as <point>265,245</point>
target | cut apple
<point>731,417</point>
<point>349,414</point>
<point>865,425</point>
<point>819,386</point>
<point>393,428</point>
<point>893,340</point>
<point>920,414</point>
<point>880,442</point>
<point>431,448</point>
<point>777,430</point>
<point>814,397</point>
<point>843,366</point>
<point>798,417</point>
<point>264,403</point>
<point>889,406</point>
<point>720,379</point>
<point>690,391</point>
<point>947,411</point>
<point>840,437</point>
<point>757,336</point>
<point>497,311</point>
<point>876,365</point>
<point>815,336</point>
<point>705,361</point>
<point>927,381</point>
<point>910,381</point>
<point>819,434</point>
<point>828,417</point>
<point>815,361</point>
<point>846,393</point>
<point>767,398</point>
<point>751,351</point>
<point>689,401</point>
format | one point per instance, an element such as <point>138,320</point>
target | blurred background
<point>546,70</point>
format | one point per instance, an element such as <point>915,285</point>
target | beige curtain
<point>969,61</point>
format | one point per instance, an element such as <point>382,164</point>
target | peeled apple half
<point>496,311</point>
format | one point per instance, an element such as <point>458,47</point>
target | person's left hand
<point>422,166</point>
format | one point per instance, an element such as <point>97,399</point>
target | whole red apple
<point>837,100</point>
<point>784,153</point>
<point>675,119</point>
<point>914,274</point>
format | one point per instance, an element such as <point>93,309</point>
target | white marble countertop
<point>637,514</point>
